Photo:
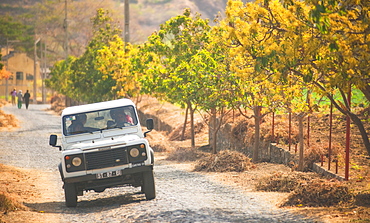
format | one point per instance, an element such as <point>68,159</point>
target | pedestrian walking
<point>27,98</point>
<point>20,98</point>
<point>13,93</point>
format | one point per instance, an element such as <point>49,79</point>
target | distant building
<point>22,68</point>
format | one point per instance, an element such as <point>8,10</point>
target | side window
<point>122,117</point>
<point>74,124</point>
<point>29,77</point>
<point>130,115</point>
<point>19,75</point>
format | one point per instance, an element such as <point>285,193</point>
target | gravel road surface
<point>182,196</point>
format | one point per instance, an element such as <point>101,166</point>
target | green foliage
<point>60,77</point>
<point>82,80</point>
<point>11,30</point>
<point>174,46</point>
<point>294,56</point>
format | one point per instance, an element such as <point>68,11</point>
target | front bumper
<point>92,177</point>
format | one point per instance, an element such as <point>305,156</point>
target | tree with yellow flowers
<point>322,42</point>
<point>342,29</point>
<point>260,90</point>
<point>115,59</point>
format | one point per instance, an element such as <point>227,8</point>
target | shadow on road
<point>87,206</point>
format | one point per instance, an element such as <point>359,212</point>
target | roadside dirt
<point>20,187</point>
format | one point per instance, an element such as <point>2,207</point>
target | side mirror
<point>149,126</point>
<point>53,141</point>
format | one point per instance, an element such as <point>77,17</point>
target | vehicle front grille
<point>106,158</point>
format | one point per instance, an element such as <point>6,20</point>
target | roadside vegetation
<point>264,57</point>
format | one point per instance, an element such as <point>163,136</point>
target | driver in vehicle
<point>120,119</point>
<point>77,125</point>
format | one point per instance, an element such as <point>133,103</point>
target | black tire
<point>61,171</point>
<point>70,194</point>
<point>148,185</point>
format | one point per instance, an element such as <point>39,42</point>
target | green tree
<point>176,43</point>
<point>60,77</point>
<point>89,84</point>
<point>214,83</point>
<point>11,30</point>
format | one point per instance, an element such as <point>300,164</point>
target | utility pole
<point>66,29</point>
<point>34,72</point>
<point>7,67</point>
<point>127,21</point>
<point>67,100</point>
<point>43,72</point>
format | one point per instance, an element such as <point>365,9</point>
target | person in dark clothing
<point>27,98</point>
<point>77,125</point>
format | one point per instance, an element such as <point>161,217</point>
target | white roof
<point>97,106</point>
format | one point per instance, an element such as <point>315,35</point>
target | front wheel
<point>148,185</point>
<point>70,194</point>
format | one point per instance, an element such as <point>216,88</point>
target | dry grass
<point>57,103</point>
<point>282,181</point>
<point>320,193</point>
<point>9,203</point>
<point>7,121</point>
<point>12,189</point>
<point>224,161</point>
<point>307,189</point>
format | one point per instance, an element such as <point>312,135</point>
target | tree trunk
<point>301,142</point>
<point>257,121</point>
<point>192,131</point>
<point>212,129</point>
<point>357,121</point>
<point>362,130</point>
<point>354,117</point>
<point>184,127</point>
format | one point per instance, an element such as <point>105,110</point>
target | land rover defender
<point>103,146</point>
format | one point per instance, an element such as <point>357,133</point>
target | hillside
<point>145,15</point>
<point>151,15</point>
<point>47,19</point>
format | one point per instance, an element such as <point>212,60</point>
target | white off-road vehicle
<point>103,146</point>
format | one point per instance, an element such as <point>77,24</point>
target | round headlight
<point>76,161</point>
<point>134,152</point>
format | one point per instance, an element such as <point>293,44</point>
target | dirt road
<point>182,196</point>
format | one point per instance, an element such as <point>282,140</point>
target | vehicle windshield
<point>119,117</point>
